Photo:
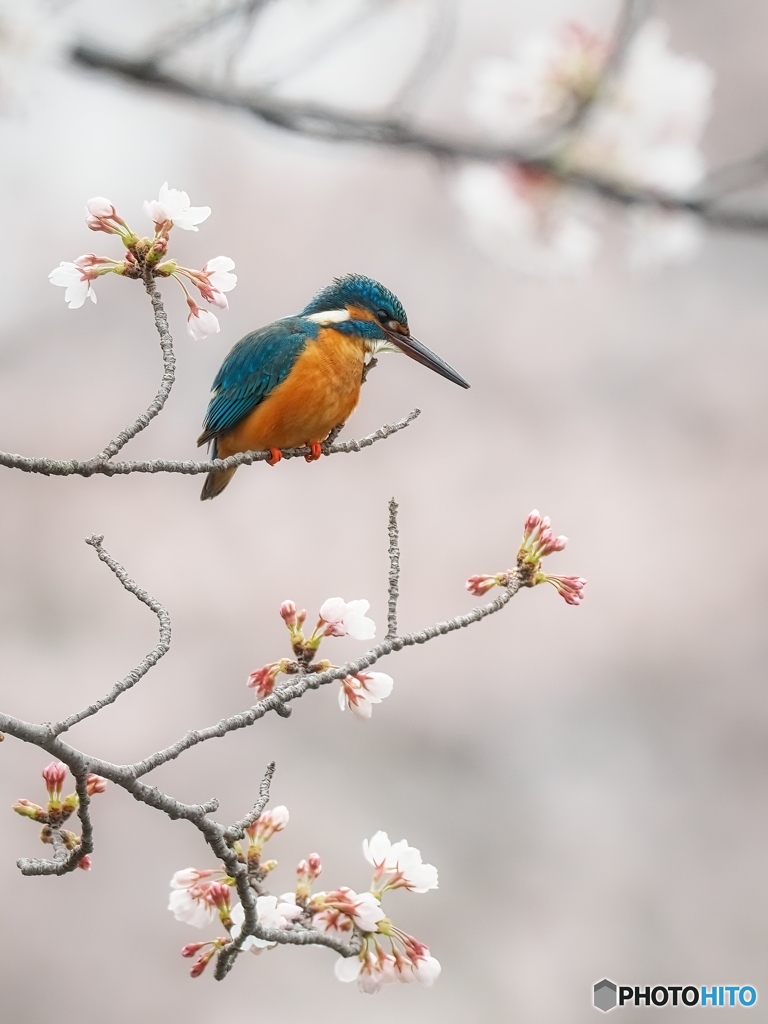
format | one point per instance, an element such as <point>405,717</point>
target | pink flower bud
<point>263,679</point>
<point>90,259</point>
<point>570,588</point>
<point>100,207</point>
<point>199,966</point>
<point>532,521</point>
<point>310,868</point>
<point>265,827</point>
<point>538,539</point>
<point>288,613</point>
<point>85,863</point>
<point>95,784</point>
<point>479,585</point>
<point>218,894</point>
<point>192,948</point>
<point>29,810</point>
<point>54,776</point>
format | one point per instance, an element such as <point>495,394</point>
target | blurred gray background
<point>589,781</point>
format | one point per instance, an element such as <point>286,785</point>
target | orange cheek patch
<point>356,313</point>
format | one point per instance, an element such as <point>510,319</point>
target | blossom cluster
<point>538,541</point>
<point>383,952</point>
<point>142,255</point>
<point>58,810</point>
<point>358,692</point>
<point>641,129</point>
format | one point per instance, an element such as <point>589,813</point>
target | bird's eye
<point>383,315</point>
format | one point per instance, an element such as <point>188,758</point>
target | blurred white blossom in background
<point>548,77</point>
<point>31,38</point>
<point>642,129</point>
<point>532,225</point>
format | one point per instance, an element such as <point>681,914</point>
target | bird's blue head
<point>361,306</point>
<point>364,299</point>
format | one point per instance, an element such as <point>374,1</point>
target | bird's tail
<point>216,482</point>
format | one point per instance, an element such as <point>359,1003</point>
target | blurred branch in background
<point>574,123</point>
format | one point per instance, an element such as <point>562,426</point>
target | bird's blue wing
<point>255,366</point>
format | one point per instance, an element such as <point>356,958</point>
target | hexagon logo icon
<point>604,995</point>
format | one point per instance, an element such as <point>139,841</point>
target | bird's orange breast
<point>321,391</point>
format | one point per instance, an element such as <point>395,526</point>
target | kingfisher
<point>288,384</point>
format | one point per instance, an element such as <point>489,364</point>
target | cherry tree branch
<point>236,831</point>
<point>103,464</point>
<point>166,383</point>
<point>219,837</point>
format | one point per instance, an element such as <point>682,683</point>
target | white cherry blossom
<point>191,906</point>
<point>220,279</point>
<point>363,908</point>
<point>360,692</point>
<point>201,322</point>
<point>375,967</point>
<point>427,970</point>
<point>347,617</point>
<point>401,861</point>
<point>348,968</point>
<point>173,205</point>
<point>271,912</point>
<point>77,282</point>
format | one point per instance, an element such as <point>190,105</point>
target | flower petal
<point>348,968</point>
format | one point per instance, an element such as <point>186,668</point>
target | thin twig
<point>394,571</point>
<point>147,663</point>
<point>236,831</point>
<point>166,383</point>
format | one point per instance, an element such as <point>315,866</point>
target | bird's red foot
<point>275,456</point>
<point>316,450</point>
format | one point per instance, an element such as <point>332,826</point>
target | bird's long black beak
<point>414,348</point>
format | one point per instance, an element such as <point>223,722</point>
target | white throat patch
<point>328,317</point>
